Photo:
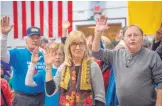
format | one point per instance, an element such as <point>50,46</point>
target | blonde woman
<point>31,79</point>
<point>78,79</point>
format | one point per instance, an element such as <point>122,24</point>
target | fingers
<point>47,50</point>
<point>35,51</point>
<point>3,21</point>
<point>107,27</point>
<point>7,20</point>
<point>11,26</point>
<point>102,19</point>
<point>66,24</point>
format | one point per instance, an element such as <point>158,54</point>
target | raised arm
<point>30,73</point>
<point>51,83</point>
<point>104,55</point>
<point>65,26</point>
<point>5,29</point>
<point>101,26</point>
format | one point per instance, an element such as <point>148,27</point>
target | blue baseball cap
<point>33,31</point>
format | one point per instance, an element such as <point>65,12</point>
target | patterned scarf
<point>85,82</point>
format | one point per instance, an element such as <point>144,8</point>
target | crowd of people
<point>79,70</point>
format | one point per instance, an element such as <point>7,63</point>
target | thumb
<point>11,27</point>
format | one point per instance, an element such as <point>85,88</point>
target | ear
<point>26,38</point>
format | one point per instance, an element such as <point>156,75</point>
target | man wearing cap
<point>20,59</point>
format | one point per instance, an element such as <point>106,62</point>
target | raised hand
<point>159,35</point>
<point>101,24</point>
<point>48,57</point>
<point>35,57</point>
<point>89,41</point>
<point>66,24</point>
<point>5,25</point>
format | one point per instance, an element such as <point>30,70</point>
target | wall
<point>82,11</point>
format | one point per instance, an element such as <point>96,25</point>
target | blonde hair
<point>74,35</point>
<point>55,45</point>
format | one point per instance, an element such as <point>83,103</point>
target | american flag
<point>47,15</point>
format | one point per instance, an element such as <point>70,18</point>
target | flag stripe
<point>28,14</point>
<point>41,8</point>
<point>50,18</point>
<point>59,18</point>
<point>32,13</point>
<point>47,15</point>
<point>46,25</point>
<point>64,11</point>
<point>23,18</point>
<point>15,19</point>
<point>70,12</point>
<point>20,31</point>
<point>55,19</point>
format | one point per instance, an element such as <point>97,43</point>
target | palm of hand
<point>66,24</point>
<point>5,29</point>
<point>159,36</point>
<point>5,25</point>
<point>101,27</point>
<point>48,59</point>
<point>35,58</point>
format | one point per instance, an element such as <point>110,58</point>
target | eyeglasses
<point>81,44</point>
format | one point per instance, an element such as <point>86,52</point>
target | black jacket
<point>158,48</point>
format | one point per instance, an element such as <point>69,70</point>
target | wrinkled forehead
<point>133,30</point>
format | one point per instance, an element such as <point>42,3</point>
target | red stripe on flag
<point>70,14</point>
<point>50,18</point>
<point>41,8</point>
<point>23,18</point>
<point>59,18</point>
<point>32,11</point>
<point>15,19</point>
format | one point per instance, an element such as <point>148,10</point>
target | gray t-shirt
<point>135,75</point>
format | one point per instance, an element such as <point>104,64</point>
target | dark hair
<point>2,67</point>
<point>44,40</point>
<point>132,26</point>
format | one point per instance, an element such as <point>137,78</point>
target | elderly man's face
<point>33,41</point>
<point>133,38</point>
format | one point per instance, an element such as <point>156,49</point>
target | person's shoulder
<point>18,49</point>
<point>3,82</point>
<point>150,53</point>
<point>94,65</point>
<point>120,51</point>
<point>62,66</point>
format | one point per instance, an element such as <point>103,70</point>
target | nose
<point>132,36</point>
<point>57,56</point>
<point>77,47</point>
